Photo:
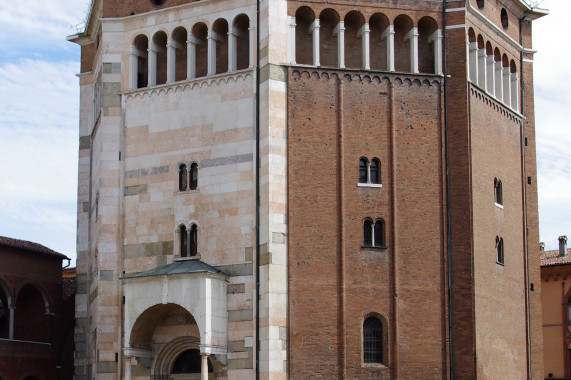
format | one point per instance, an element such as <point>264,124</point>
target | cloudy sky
<point>39,97</point>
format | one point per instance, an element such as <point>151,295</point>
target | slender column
<point>389,35</point>
<point>211,54</point>
<point>499,81</point>
<point>339,31</point>
<point>232,52</point>
<point>364,34</point>
<point>473,59</point>
<point>11,324</point>
<point>134,63</point>
<point>314,29</point>
<point>515,91</point>
<point>482,82</point>
<point>171,60</point>
<point>491,88</point>
<point>290,40</point>
<point>368,172</point>
<point>413,36</point>
<point>252,45</point>
<point>152,64</point>
<point>190,60</point>
<point>507,85</point>
<point>204,366</point>
<point>436,40</point>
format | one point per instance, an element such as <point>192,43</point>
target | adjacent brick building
<point>347,191</point>
<point>556,303</point>
<point>36,315</point>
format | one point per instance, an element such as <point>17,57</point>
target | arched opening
<point>372,340</point>
<point>141,47</point>
<point>472,56</point>
<point>193,240</point>
<point>4,312</point>
<point>490,72</point>
<point>193,176</point>
<point>328,49</point>
<point>162,323</point>
<point>499,250</point>
<point>30,316</point>
<point>160,42</point>
<point>506,80</point>
<point>354,21</point>
<point>179,36</point>
<point>514,86</point>
<point>480,4</point>
<point>183,236</point>
<point>164,331</point>
<point>220,34</point>
<point>481,62</point>
<point>188,363</point>
<point>368,233</point>
<point>403,25</point>
<point>182,175</point>
<point>304,18</point>
<point>379,233</point>
<point>375,170</point>
<point>242,33</point>
<point>363,164</point>
<point>379,24</point>
<point>200,46</point>
<point>427,28</point>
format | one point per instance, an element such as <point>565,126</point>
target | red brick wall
<point>331,125</point>
<point>25,274</point>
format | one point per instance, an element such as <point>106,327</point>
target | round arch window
<point>504,18</point>
<point>158,2</point>
<point>480,4</point>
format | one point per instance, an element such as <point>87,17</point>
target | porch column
<point>232,51</point>
<point>204,366</point>
<point>11,325</point>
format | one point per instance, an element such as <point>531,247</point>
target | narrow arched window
<point>193,240</point>
<point>183,241</point>
<point>363,166</point>
<point>499,250</point>
<point>372,341</point>
<point>379,233</point>
<point>569,310</point>
<point>193,176</point>
<point>498,196</point>
<point>375,170</point>
<point>368,233</point>
<point>182,177</point>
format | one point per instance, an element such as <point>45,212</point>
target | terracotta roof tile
<point>549,258</point>
<point>28,246</point>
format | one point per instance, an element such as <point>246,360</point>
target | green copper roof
<point>179,267</point>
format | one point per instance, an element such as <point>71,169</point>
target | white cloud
<point>39,107</point>
<point>552,99</point>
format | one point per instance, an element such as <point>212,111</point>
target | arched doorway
<point>187,366</point>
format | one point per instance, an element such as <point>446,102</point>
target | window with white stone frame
<point>369,172</point>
